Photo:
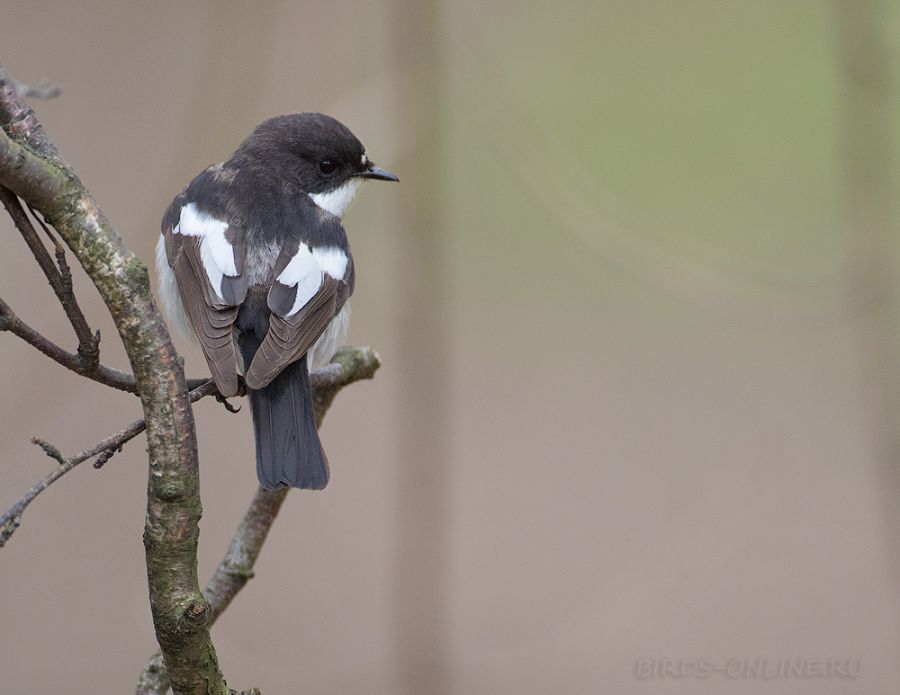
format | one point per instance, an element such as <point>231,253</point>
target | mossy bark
<point>33,170</point>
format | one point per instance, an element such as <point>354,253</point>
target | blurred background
<point>635,298</point>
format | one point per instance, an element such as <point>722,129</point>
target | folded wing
<point>311,285</point>
<point>207,256</point>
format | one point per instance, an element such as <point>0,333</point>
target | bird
<point>254,262</point>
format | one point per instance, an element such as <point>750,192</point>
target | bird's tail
<point>288,449</point>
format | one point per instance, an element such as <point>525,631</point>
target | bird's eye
<point>326,167</point>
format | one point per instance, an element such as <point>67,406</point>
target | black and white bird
<point>254,262</point>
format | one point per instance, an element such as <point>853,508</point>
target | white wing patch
<point>336,201</point>
<point>305,271</point>
<point>331,260</point>
<point>216,253</point>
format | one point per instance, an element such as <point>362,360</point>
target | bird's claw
<point>224,401</point>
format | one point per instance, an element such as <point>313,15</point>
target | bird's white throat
<point>336,201</point>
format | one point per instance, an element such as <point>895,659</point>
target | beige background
<point>627,408</point>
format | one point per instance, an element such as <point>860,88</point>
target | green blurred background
<point>636,305</point>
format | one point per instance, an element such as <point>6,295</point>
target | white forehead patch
<point>336,201</point>
<point>363,160</point>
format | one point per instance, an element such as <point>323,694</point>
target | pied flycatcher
<point>253,260</point>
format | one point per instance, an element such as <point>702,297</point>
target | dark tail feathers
<point>288,449</point>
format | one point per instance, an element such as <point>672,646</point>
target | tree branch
<point>104,450</point>
<point>87,360</point>
<point>108,376</point>
<point>236,568</point>
<point>32,169</point>
<point>58,275</point>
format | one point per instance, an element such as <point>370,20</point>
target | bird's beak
<point>374,172</point>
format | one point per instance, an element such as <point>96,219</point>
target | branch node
<point>195,615</point>
<point>65,272</point>
<point>50,450</point>
<point>106,455</point>
<point>240,573</point>
<point>89,353</point>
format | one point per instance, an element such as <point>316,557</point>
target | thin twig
<point>102,450</point>
<point>58,274</point>
<point>236,568</point>
<point>348,365</point>
<point>108,376</point>
<point>87,360</point>
<point>88,340</point>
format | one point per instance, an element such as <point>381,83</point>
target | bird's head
<point>324,157</point>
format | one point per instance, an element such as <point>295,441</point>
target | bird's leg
<point>241,392</point>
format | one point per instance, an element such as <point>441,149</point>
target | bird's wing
<point>207,256</point>
<point>311,285</point>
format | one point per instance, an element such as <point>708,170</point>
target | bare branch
<point>236,568</point>
<point>31,167</point>
<point>88,340</point>
<point>347,366</point>
<point>108,376</point>
<point>18,119</point>
<point>102,450</point>
<point>58,275</point>
<point>49,449</point>
<point>87,361</point>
